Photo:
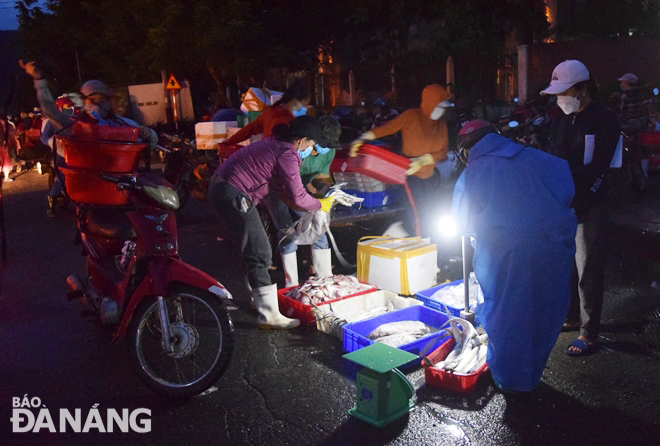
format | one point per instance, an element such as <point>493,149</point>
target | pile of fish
<point>342,197</point>
<point>469,353</point>
<point>399,333</point>
<point>454,296</point>
<point>317,290</point>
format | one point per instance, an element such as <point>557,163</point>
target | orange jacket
<point>420,133</point>
<point>269,118</point>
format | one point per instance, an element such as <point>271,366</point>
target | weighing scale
<point>383,393</point>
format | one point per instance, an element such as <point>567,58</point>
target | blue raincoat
<point>516,203</point>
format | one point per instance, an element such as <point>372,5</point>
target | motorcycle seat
<point>109,223</point>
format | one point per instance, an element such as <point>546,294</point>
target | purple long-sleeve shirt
<point>268,166</point>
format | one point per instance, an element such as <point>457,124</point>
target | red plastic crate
<point>101,156</point>
<point>654,161</point>
<point>90,188</point>
<point>457,382</point>
<point>375,162</point>
<point>225,151</point>
<point>296,310</point>
<point>651,139</point>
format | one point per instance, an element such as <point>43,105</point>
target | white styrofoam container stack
<point>209,134</point>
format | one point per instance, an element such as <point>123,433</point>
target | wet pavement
<point>293,388</point>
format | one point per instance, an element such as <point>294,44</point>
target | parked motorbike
<point>174,316</point>
<point>634,154</point>
<point>186,169</point>
<point>528,124</point>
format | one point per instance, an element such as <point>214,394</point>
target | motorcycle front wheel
<point>202,343</point>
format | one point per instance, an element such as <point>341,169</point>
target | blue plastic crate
<point>425,296</point>
<point>371,199</point>
<point>355,334</point>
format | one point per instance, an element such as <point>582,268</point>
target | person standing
<point>8,146</point>
<point>631,108</point>
<point>586,135</point>
<point>516,203</point>
<point>292,104</point>
<point>425,142</point>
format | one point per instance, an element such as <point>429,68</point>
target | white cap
<point>629,77</point>
<point>94,86</point>
<point>565,75</point>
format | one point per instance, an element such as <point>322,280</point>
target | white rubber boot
<point>290,266</point>
<point>322,260</point>
<point>269,313</point>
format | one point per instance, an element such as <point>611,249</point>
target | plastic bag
<point>309,228</point>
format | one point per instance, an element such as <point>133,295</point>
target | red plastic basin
<point>101,156</point>
<point>123,133</point>
<point>375,162</point>
<point>448,380</point>
<point>90,188</point>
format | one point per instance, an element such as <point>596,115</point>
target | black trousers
<point>589,273</point>
<point>241,219</point>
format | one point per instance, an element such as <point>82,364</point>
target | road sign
<point>172,83</point>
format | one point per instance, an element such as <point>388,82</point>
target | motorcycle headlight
<point>163,195</point>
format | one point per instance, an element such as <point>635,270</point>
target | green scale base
<point>383,392</point>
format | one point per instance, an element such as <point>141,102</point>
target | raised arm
<point>45,97</point>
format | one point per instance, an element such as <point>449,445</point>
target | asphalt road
<point>293,388</point>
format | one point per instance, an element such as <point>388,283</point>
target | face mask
<point>304,153</point>
<point>322,150</point>
<point>437,113</point>
<point>300,112</point>
<point>568,104</point>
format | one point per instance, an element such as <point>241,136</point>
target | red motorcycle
<point>174,316</point>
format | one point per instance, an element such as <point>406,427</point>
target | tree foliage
<point>238,41</point>
<point>609,18</point>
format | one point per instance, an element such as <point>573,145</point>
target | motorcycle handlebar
<point>122,182</point>
<point>110,178</point>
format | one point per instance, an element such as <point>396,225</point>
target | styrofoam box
<point>404,266</point>
<point>350,309</point>
<point>231,131</point>
<point>209,134</point>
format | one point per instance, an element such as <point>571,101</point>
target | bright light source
<point>655,91</point>
<point>515,99</point>
<point>447,226</point>
<point>513,124</point>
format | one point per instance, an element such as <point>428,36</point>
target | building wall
<point>606,59</point>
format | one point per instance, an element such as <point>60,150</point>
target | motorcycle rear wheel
<point>203,343</point>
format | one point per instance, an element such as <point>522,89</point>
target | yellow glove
<point>326,203</point>
<point>355,146</point>
<point>419,162</point>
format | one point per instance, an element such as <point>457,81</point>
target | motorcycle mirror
<point>513,124</point>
